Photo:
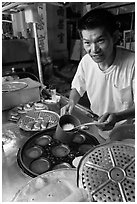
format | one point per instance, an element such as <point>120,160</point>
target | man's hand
<point>109,120</point>
<point>67,109</point>
<point>73,100</point>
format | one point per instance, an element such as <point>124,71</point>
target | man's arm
<point>110,119</point>
<point>126,114</point>
<point>74,96</point>
<point>73,100</point>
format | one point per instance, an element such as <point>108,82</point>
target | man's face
<point>98,43</point>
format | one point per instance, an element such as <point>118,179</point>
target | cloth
<point>111,90</point>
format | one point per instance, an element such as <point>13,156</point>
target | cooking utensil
<point>107,172</point>
<point>87,124</point>
<point>62,135</point>
<point>67,125</point>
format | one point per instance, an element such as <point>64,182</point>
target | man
<point>106,72</point>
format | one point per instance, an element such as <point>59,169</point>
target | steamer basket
<point>107,172</point>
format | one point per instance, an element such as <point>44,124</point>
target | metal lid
<point>107,172</point>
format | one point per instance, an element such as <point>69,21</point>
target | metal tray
<point>107,172</point>
<point>29,121</point>
<point>13,86</point>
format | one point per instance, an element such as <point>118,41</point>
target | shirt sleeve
<point>79,80</point>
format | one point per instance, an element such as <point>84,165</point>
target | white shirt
<point>111,90</point>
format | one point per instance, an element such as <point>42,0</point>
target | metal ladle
<point>82,126</point>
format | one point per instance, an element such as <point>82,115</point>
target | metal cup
<point>66,136</point>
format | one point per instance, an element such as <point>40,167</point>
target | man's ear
<point>116,36</point>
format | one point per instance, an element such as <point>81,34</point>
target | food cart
<point>18,136</point>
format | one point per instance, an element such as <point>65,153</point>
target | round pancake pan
<point>42,152</point>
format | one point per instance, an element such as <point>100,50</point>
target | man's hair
<point>98,18</point>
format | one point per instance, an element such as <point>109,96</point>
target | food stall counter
<point>13,177</point>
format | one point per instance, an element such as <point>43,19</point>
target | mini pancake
<point>20,109</point>
<point>14,113</point>
<point>28,107</point>
<point>40,165</point>
<point>37,125</point>
<point>40,106</point>
<point>84,148</point>
<point>79,139</point>
<point>14,118</point>
<point>34,152</point>
<point>30,125</point>
<point>44,124</point>
<point>62,165</point>
<point>60,150</point>
<point>43,140</point>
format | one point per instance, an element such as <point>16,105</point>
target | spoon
<point>87,124</point>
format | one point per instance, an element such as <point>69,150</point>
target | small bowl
<point>60,151</point>
<point>84,148</point>
<point>79,138</point>
<point>43,140</point>
<point>76,161</point>
<point>34,152</point>
<point>40,165</point>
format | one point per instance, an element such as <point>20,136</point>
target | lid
<point>53,186</point>
<point>13,86</point>
<point>107,172</point>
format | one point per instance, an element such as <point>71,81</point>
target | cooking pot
<point>65,124</point>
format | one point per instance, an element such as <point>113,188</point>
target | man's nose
<point>94,47</point>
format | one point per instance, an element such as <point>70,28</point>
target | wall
<point>51,30</point>
<point>19,24</point>
<point>57,35</point>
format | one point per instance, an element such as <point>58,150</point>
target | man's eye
<point>86,43</point>
<point>101,41</point>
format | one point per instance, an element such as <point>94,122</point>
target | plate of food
<point>38,120</point>
<point>13,86</point>
<point>22,109</point>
